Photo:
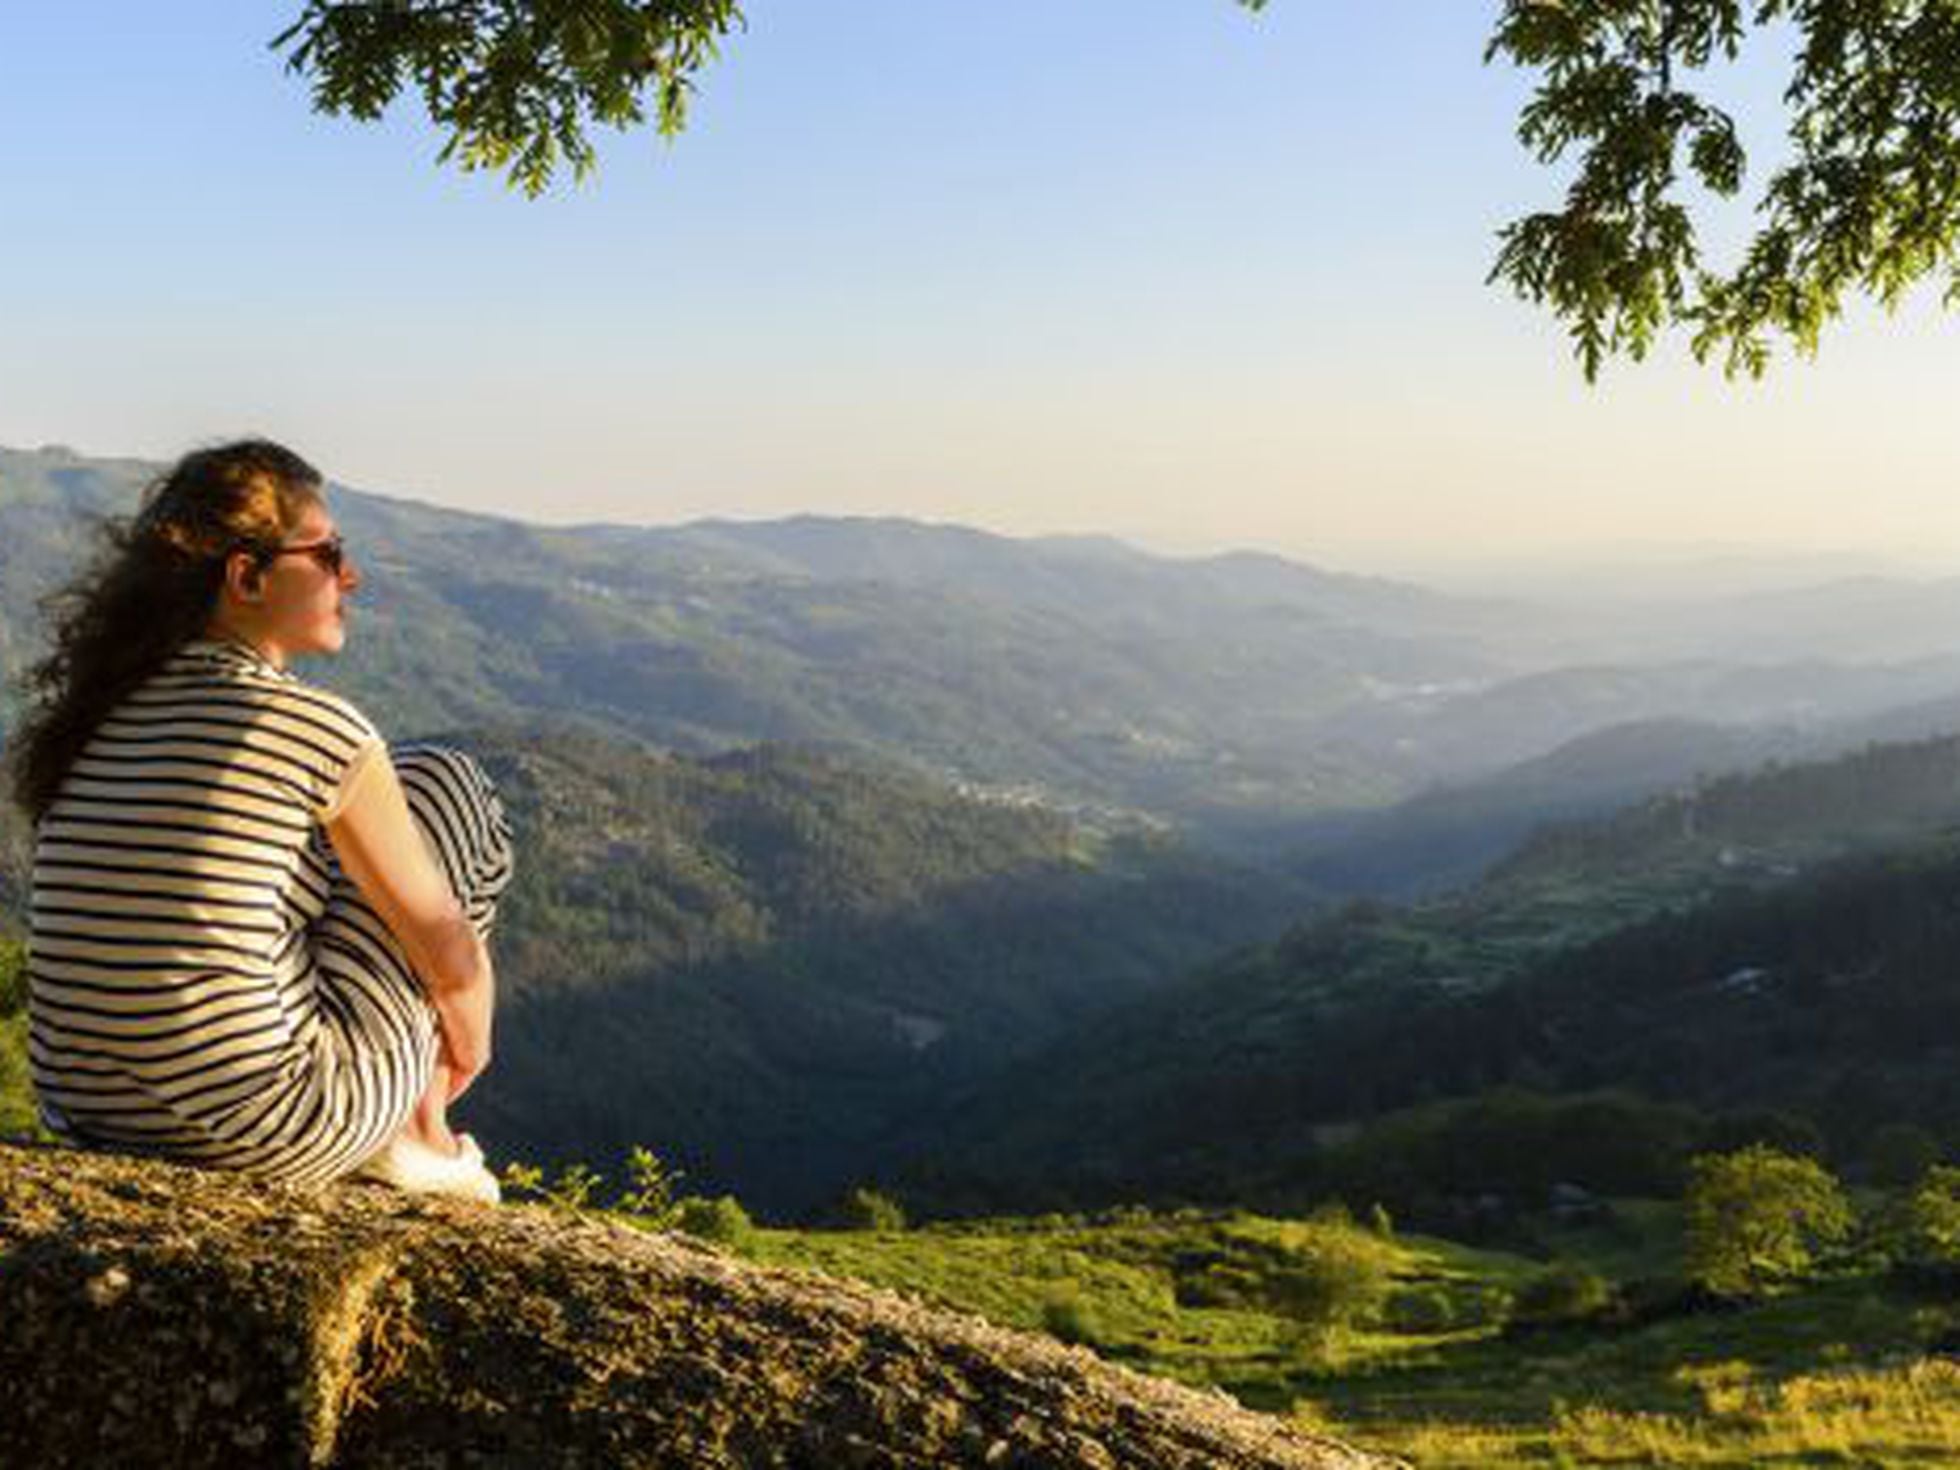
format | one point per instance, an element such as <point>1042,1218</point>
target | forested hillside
<point>768,964</point>
<point>1780,941</point>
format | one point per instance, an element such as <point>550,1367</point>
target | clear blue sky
<point>1156,267</point>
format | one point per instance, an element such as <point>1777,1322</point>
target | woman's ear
<point>244,577</point>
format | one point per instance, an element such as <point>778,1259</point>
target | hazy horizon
<point>1579,571</point>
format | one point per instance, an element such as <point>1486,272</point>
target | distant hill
<point>1222,693</point>
<point>1096,674</point>
<point>1445,836</point>
<point>1462,733</point>
<point>1780,939</point>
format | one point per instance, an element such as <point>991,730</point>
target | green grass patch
<point>1835,1373</point>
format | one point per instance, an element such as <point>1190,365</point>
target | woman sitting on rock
<point>258,935</point>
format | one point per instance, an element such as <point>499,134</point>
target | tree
<point>1869,203</point>
<point>1754,1218</point>
<point>1932,1219</point>
<point>515,82</point>
<point>865,1208</point>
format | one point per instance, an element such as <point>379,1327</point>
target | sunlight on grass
<point>1869,1416</point>
<point>1440,1375</point>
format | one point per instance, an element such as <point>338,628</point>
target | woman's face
<point>301,605</point>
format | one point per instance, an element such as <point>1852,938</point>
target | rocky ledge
<point>152,1315</point>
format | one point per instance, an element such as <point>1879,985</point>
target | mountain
<point>1445,836</point>
<point>1774,940</point>
<point>1095,674</point>
<point>1220,693</point>
<point>1459,734</point>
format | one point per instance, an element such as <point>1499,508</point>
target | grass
<point>1836,1374</point>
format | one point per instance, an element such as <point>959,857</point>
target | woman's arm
<point>383,851</point>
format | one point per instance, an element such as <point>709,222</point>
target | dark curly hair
<point>151,589</point>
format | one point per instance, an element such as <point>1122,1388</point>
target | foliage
<point>1932,1220</point>
<point>865,1208</point>
<point>18,1114</point>
<point>13,977</point>
<point>514,85</point>
<point>1067,1315</point>
<point>649,1198</point>
<point>721,1219</point>
<point>1326,1295</point>
<point>572,1190</point>
<point>1869,201</point>
<point>649,1195</point>
<point>1339,1281</point>
<point>1754,1218</point>
<point>1445,1306</point>
<point>1879,1416</point>
<point>1817,1007</point>
<point>1564,1292</point>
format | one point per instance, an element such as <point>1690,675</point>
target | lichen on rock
<point>155,1315</point>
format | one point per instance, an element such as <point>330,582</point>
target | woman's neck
<point>222,629</point>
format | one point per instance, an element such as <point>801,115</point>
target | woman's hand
<point>464,1016</point>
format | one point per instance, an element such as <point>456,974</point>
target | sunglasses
<point>330,554</point>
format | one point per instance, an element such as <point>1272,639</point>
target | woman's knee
<point>455,803</point>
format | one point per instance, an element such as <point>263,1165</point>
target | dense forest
<point>1774,949</point>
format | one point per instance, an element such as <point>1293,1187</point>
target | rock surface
<point>153,1315</point>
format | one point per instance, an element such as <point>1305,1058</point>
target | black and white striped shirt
<point>171,985</point>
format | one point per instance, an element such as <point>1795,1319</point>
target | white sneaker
<point>416,1168</point>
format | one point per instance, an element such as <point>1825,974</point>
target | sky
<point>1156,268</point>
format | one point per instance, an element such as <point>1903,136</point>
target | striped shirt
<point>172,987</point>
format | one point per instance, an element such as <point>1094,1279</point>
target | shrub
<point>865,1208</point>
<point>1563,1292</point>
<point>571,1191</point>
<point>649,1194</point>
<point>1754,1218</point>
<point>1342,1280</point>
<point>720,1219</point>
<point>1932,1220</point>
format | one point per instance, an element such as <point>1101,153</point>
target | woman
<point>258,938</point>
